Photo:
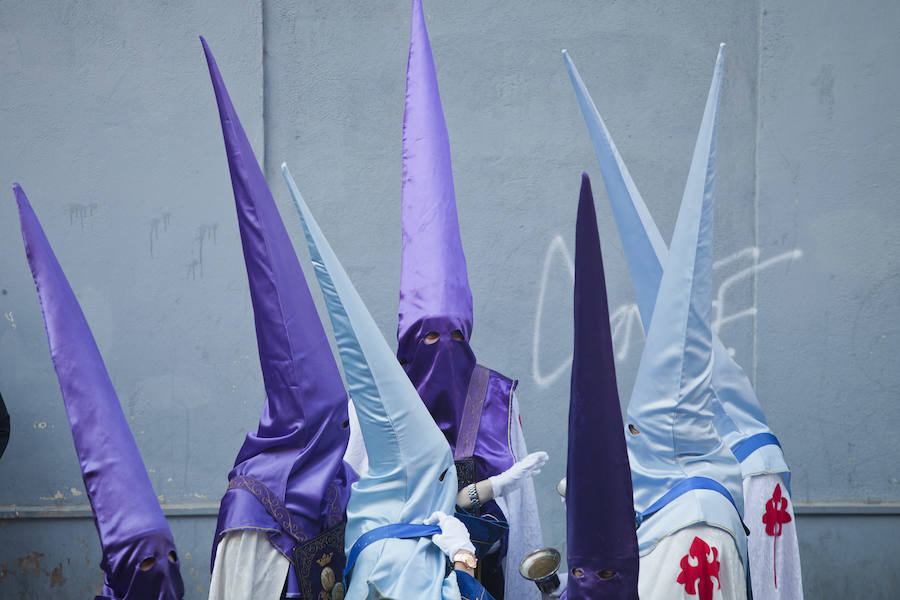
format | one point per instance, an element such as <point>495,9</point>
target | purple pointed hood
<point>434,284</point>
<point>601,539</point>
<point>297,451</point>
<point>433,279</point>
<point>127,514</point>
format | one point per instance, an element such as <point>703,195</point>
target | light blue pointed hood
<point>411,472</point>
<point>673,446</point>
<point>739,417</point>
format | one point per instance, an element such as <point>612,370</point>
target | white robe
<point>661,568</point>
<point>775,557</point>
<point>520,507</point>
<point>247,566</point>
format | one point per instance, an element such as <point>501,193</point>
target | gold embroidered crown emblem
<point>326,558</point>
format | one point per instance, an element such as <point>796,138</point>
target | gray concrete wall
<point>827,332</point>
<point>109,123</point>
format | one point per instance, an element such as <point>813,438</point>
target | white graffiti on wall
<point>557,246</point>
<point>625,320</point>
<point>720,315</point>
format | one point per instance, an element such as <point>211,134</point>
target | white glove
<point>514,477</point>
<point>453,536</point>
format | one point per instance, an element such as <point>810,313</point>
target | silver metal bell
<point>540,567</point>
<point>561,487</point>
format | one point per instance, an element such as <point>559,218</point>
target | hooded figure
<point>687,484</point>
<point>473,406</point>
<point>410,479</point>
<point>602,547</point>
<point>289,488</point>
<point>772,542</point>
<point>139,558</point>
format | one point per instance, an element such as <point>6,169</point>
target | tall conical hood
<point>433,279</point>
<point>129,519</point>
<point>644,248</point>
<point>411,471</point>
<point>600,536</point>
<point>742,417</point>
<point>672,402</point>
<point>298,448</point>
<point>378,386</point>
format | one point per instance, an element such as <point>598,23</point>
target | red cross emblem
<point>775,516</point>
<point>697,574</point>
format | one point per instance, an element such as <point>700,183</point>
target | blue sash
<point>395,530</point>
<point>748,446</point>
<point>682,487</point>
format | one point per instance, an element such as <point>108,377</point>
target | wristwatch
<point>465,557</point>
<point>473,495</point>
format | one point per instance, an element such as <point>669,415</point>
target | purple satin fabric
<point>297,450</point>
<point>434,283</point>
<point>599,499</point>
<point>161,581</point>
<point>126,511</point>
<point>433,276</point>
<point>440,373</point>
<point>493,453</point>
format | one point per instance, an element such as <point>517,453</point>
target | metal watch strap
<point>473,496</point>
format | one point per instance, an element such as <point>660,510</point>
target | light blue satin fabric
<point>737,409</point>
<point>411,472</point>
<point>673,402</point>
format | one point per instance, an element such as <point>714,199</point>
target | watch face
<point>466,558</point>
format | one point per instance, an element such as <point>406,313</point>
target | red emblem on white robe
<point>775,516</point>
<point>698,568</point>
